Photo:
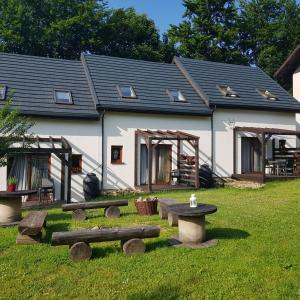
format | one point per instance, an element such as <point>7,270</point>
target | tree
<point>270,30</point>
<point>13,127</point>
<point>128,34</point>
<point>54,28</point>
<point>209,31</point>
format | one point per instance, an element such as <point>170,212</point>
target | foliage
<point>260,32</point>
<point>13,127</point>
<point>209,31</point>
<point>257,256</point>
<point>12,180</point>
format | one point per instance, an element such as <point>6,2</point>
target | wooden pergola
<point>263,135</point>
<point>57,146</point>
<point>154,138</point>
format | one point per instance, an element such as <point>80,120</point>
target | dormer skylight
<point>228,91</point>
<point>126,91</point>
<point>63,97</point>
<point>176,95</point>
<point>2,92</point>
<point>267,94</point>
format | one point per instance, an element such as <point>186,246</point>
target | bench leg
<point>112,212</point>
<point>172,219</point>
<point>28,239</point>
<point>163,213</point>
<point>80,251</point>
<point>79,215</point>
<point>133,247</point>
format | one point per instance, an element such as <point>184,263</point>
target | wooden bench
<point>111,208</point>
<point>130,237</point>
<point>164,211</point>
<point>30,228</point>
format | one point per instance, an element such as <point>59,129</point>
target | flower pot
<point>11,188</point>
<point>147,207</point>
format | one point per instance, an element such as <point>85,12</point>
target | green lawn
<point>258,255</point>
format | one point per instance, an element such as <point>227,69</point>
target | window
<point>267,94</point>
<point>176,96</point>
<point>63,97</point>
<point>116,154</point>
<point>2,92</point>
<point>227,91</point>
<point>76,163</point>
<point>126,91</point>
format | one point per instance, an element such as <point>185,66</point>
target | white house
<point>107,114</point>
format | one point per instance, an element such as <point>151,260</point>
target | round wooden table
<point>191,221</point>
<point>11,204</point>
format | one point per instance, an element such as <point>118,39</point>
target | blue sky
<point>163,12</point>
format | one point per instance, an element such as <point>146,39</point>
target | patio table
<point>191,221</point>
<point>10,206</point>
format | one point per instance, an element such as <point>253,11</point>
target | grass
<point>258,255</point>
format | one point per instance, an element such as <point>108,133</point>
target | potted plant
<point>11,183</point>
<point>146,206</point>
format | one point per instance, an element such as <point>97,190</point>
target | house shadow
<point>59,217</point>
<point>151,246</point>
<point>226,233</point>
<point>166,292</point>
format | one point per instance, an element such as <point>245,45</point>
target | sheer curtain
<point>19,169</point>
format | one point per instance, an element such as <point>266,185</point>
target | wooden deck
<point>258,177</point>
<point>166,187</point>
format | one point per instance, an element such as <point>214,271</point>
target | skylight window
<point>227,91</point>
<point>2,92</point>
<point>267,94</point>
<point>63,97</point>
<point>176,96</point>
<point>126,91</point>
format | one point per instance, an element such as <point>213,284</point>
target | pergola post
<point>263,156</point>
<point>135,158</point>
<point>69,165</point>
<point>234,151</point>
<point>197,164</point>
<point>178,154</point>
<point>150,156</point>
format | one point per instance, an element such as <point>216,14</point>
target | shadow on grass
<point>54,228</point>
<point>59,217</point>
<point>151,246</point>
<point>162,292</point>
<point>226,233</point>
<point>100,252</point>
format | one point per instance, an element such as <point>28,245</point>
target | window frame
<point>118,161</point>
<point>119,88</point>
<point>3,89</point>
<point>79,171</point>
<point>169,92</point>
<point>222,87</point>
<point>262,92</point>
<point>71,102</point>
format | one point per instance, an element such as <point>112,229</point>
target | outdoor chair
<point>47,187</point>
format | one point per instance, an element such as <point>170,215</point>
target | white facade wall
<point>226,119</point>
<point>296,84</point>
<point>120,129</point>
<point>84,137</point>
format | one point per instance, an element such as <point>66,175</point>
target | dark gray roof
<point>34,79</point>
<point>150,81</point>
<point>244,80</point>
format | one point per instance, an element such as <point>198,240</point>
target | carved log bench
<point>111,208</point>
<point>164,211</point>
<point>130,237</point>
<point>30,228</point>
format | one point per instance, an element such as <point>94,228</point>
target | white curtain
<point>20,171</point>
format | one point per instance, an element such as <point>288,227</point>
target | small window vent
<point>267,94</point>
<point>228,91</point>
<point>176,95</point>
<point>126,91</point>
<point>2,92</point>
<point>63,97</point>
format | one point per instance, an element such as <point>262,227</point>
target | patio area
<point>266,154</point>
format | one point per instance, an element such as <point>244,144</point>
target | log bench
<point>30,228</point>
<point>111,208</point>
<point>130,237</point>
<point>164,211</point>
